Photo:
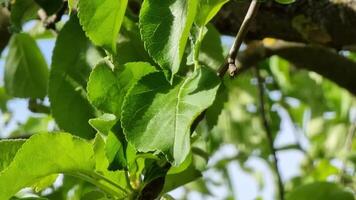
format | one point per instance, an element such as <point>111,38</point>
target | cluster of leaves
<point>126,90</point>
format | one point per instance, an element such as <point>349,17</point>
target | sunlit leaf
<point>157,116</point>
<point>102,20</point>
<point>165,27</point>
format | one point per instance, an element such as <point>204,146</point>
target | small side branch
<point>4,27</point>
<point>269,133</point>
<point>230,61</point>
<point>49,22</point>
<point>321,60</point>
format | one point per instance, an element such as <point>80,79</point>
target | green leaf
<point>207,10</point>
<point>108,85</point>
<point>104,123</point>
<point>43,155</point>
<point>285,1</point>
<point>181,175</point>
<point>8,150</point>
<point>26,71</point>
<point>44,183</point>
<point>4,98</point>
<point>21,12</point>
<point>102,162</point>
<point>280,69</point>
<point>320,190</point>
<point>115,151</point>
<point>157,116</point>
<point>323,170</point>
<point>116,145</point>
<point>101,20</point>
<point>68,78</point>
<point>130,47</point>
<point>165,27</point>
<point>212,114</point>
<point>47,154</point>
<point>32,126</point>
<point>211,52</point>
<point>72,4</point>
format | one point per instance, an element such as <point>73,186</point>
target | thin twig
<point>49,22</point>
<point>37,107</point>
<point>230,61</point>
<point>269,133</point>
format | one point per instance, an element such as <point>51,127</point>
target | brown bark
<point>320,27</point>
<point>326,22</point>
<point>324,61</point>
<point>4,27</point>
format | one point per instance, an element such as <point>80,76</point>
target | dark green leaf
<point>165,27</point>
<point>102,20</point>
<point>211,52</point>
<point>107,86</point>
<point>26,71</point>
<point>4,98</point>
<point>157,116</point>
<point>207,10</point>
<point>130,47</point>
<point>69,73</point>
<point>8,150</point>
<point>181,175</point>
<point>21,12</point>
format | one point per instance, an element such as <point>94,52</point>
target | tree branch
<point>269,135</point>
<point>326,22</point>
<point>321,60</point>
<point>4,27</point>
<point>230,64</point>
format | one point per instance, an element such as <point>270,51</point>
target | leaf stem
<point>201,153</point>
<point>269,134</point>
<point>230,61</point>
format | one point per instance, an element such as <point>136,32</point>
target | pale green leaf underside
<point>101,20</point>
<point>108,85</point>
<point>43,155</point>
<point>69,73</point>
<point>165,27</point>
<point>207,10</point>
<point>26,71</point>
<point>104,123</point>
<point>157,116</point>
<point>211,52</point>
<point>72,4</point>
